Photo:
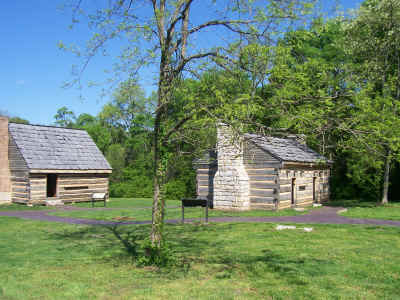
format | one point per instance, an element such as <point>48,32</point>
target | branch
<point>184,61</point>
<point>217,22</point>
<point>176,127</point>
<point>159,13</point>
<point>184,34</point>
<point>226,23</point>
<point>175,19</point>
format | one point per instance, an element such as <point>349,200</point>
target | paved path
<point>324,215</point>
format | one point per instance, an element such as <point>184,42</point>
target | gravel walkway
<point>324,215</point>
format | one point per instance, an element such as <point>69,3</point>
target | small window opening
<point>302,188</point>
<point>72,188</point>
<point>51,185</point>
<point>293,195</point>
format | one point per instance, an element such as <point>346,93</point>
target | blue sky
<point>33,69</point>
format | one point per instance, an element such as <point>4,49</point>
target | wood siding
<point>70,187</point>
<point>38,184</point>
<point>303,186</point>
<point>205,180</point>
<point>20,191</point>
<point>80,187</point>
<point>262,169</point>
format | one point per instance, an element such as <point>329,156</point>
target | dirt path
<point>324,215</point>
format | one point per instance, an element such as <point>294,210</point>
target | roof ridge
<point>49,126</point>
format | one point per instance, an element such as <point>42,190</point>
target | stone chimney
<point>300,138</point>
<point>5,176</point>
<point>231,182</point>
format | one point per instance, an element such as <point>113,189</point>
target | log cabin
<point>261,172</point>
<point>43,164</point>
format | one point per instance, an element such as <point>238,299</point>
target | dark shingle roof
<point>287,149</point>
<point>45,147</point>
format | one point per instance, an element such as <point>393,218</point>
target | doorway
<point>293,196</point>
<point>314,194</point>
<point>51,185</point>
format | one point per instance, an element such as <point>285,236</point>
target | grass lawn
<point>15,206</point>
<point>123,210</point>
<point>371,210</point>
<point>43,260</point>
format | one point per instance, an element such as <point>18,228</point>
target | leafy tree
<point>169,30</point>
<point>374,43</point>
<point>85,120</point>
<point>65,117</point>
<point>18,120</point>
<point>116,157</point>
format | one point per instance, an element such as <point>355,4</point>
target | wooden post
<point>207,211</point>
<point>385,190</point>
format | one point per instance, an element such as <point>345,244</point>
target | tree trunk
<point>156,230</point>
<point>386,179</point>
<point>157,223</point>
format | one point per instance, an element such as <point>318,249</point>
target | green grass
<point>139,213</point>
<point>126,203</point>
<point>15,206</point>
<point>371,210</point>
<point>42,260</point>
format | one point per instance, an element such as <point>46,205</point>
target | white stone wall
<point>231,182</point>
<point>5,176</point>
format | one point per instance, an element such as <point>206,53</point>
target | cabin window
<point>72,188</point>
<point>51,185</point>
<point>302,188</point>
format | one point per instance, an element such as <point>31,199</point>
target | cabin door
<point>293,195</point>
<point>314,192</point>
<point>51,185</point>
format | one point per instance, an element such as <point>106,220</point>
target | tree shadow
<point>194,244</point>
<point>120,240</point>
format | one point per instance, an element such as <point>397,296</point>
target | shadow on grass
<point>292,269</point>
<point>192,244</point>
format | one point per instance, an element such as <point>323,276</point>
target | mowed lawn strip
<point>369,210</point>
<point>135,210</point>
<point>45,260</point>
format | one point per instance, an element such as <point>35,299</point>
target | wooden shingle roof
<point>287,149</point>
<point>54,148</point>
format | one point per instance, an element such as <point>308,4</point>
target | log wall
<point>80,187</point>
<point>303,186</point>
<point>205,180</point>
<point>262,169</point>
<point>38,184</point>
<point>20,190</point>
<point>70,187</point>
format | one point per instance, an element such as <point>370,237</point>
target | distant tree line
<point>335,80</point>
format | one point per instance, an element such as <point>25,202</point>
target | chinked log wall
<point>205,180</point>
<point>20,191</point>
<point>303,192</point>
<point>262,170</point>
<point>70,187</point>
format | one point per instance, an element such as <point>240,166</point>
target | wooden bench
<point>190,202</point>
<point>99,197</point>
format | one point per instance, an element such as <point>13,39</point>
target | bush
<point>175,190</point>
<point>139,187</point>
